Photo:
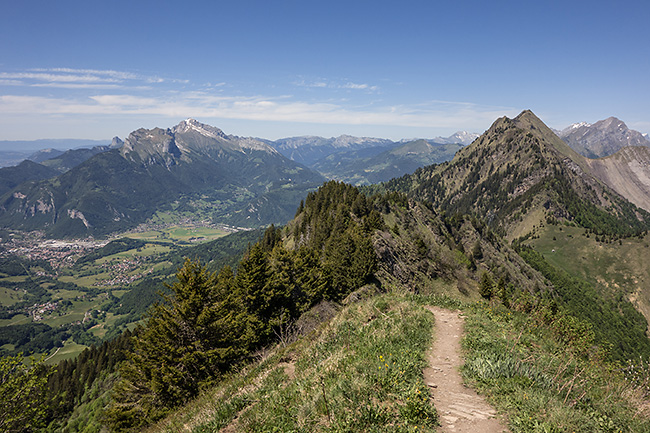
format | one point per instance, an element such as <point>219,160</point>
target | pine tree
<point>486,286</point>
<point>187,341</point>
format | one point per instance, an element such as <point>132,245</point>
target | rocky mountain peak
<point>116,143</point>
<point>152,146</point>
<point>527,117</point>
<point>189,125</point>
<point>603,138</point>
<point>463,137</point>
<point>610,123</point>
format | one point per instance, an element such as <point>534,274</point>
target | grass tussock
<point>541,383</point>
<point>360,372</point>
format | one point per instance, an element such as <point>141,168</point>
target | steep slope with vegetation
<point>518,174</point>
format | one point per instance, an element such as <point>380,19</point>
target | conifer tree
<point>486,285</point>
<point>188,339</point>
<point>250,287</point>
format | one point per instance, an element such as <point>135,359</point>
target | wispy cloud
<point>117,75</point>
<point>281,109</point>
<point>79,78</point>
<point>98,86</point>
<point>335,84</point>
<point>115,94</point>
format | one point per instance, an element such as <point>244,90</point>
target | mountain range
<point>212,189</point>
<point>603,138</point>
<point>195,170</point>
<point>191,168</point>
<point>309,150</point>
<point>367,166</point>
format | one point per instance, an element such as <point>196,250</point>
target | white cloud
<point>360,87</point>
<point>105,94</point>
<point>118,75</point>
<point>4,82</point>
<point>78,86</point>
<point>80,78</point>
<point>443,114</point>
<point>56,78</point>
<point>329,84</point>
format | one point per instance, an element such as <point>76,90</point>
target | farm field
<point>180,234</point>
<point>80,293</point>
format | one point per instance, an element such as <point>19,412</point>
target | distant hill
<point>45,154</point>
<point>31,146</point>
<point>603,138</point>
<point>356,168</point>
<point>326,152</point>
<point>10,158</point>
<point>26,171</point>
<point>309,149</point>
<point>13,152</point>
<point>72,158</point>
<point>191,168</point>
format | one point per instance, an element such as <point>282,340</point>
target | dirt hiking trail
<point>461,410</point>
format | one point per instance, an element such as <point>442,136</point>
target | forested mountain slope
<point>26,171</point>
<point>518,174</point>
<point>191,168</point>
<point>342,241</point>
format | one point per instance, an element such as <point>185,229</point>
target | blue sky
<point>90,69</point>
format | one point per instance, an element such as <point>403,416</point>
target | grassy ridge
<point>360,372</point>
<point>543,382</point>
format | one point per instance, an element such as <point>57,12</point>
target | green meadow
<point>617,266</point>
<point>178,234</point>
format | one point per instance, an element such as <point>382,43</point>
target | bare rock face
<point>626,172</point>
<point>603,138</point>
<point>116,143</point>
